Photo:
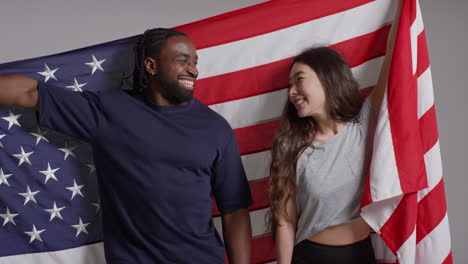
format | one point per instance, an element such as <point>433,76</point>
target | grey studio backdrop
<point>42,27</point>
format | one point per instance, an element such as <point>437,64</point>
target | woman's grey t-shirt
<point>330,176</point>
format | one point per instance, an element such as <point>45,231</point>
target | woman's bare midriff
<point>343,234</point>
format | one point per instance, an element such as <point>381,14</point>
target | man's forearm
<point>237,233</point>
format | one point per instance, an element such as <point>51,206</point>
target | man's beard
<point>173,92</point>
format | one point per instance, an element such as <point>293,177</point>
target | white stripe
<point>257,218</point>
<point>433,162</point>
<point>416,28</point>
<point>406,254</point>
<point>93,253</point>
<point>425,92</point>
<point>257,165</point>
<point>383,254</point>
<point>376,214</point>
<point>367,73</point>
<point>384,180</point>
<point>288,42</point>
<point>436,246</point>
<point>252,110</point>
<point>260,108</point>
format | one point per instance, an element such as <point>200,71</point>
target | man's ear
<point>150,65</point>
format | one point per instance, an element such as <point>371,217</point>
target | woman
<point>319,159</point>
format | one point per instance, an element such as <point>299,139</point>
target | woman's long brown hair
<point>296,133</point>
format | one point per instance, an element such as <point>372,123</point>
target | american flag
<point>49,204</point>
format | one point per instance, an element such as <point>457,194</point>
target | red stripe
<point>428,129</point>
<point>263,249</point>
<point>401,223</point>
<point>448,259</point>
<point>256,138</point>
<point>259,190</point>
<point>413,6</point>
<point>261,19</point>
<point>402,108</point>
<point>431,211</point>
<point>423,54</point>
<point>274,76</point>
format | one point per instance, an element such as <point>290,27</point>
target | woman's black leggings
<point>308,252</point>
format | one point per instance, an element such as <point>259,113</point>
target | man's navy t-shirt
<point>157,167</point>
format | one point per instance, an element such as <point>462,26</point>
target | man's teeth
<point>186,82</point>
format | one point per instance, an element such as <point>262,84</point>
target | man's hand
<point>18,90</point>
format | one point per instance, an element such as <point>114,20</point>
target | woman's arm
<point>286,234</point>
<point>378,92</point>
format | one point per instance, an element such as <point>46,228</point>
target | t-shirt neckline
<point>169,108</point>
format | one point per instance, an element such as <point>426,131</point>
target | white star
<point>80,227</point>
<point>55,212</point>
<point>35,234</point>
<point>12,120</point>
<point>91,167</point>
<point>4,177</point>
<point>23,157</point>
<point>7,217</point>
<point>76,86</point>
<point>98,205</point>
<point>29,196</point>
<point>75,189</point>
<point>40,135</point>
<point>48,73</point>
<point>68,151</point>
<point>96,65</point>
<point>1,136</point>
<point>49,173</point>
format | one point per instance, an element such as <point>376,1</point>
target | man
<point>159,155</point>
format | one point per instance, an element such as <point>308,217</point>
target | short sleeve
<point>75,114</point>
<point>229,183</point>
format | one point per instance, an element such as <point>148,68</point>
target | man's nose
<point>192,69</point>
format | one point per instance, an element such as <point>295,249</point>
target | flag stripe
<point>92,253</point>
<point>252,110</point>
<point>425,92</point>
<point>435,247</point>
<point>402,103</point>
<point>431,211</point>
<point>257,20</point>
<point>256,138</point>
<point>256,165</point>
<point>433,162</point>
<point>273,76</point>
<point>383,161</point>
<point>288,42</point>
<point>448,259</point>
<point>263,249</point>
<point>405,212</point>
<point>423,55</point>
<point>428,129</point>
